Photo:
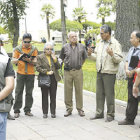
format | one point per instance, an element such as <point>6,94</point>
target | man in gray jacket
<point>108,55</point>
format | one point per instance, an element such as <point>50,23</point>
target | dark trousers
<point>28,82</point>
<point>46,91</point>
<point>105,90</point>
<point>132,103</point>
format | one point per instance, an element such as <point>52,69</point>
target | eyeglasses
<point>102,33</point>
<point>49,49</point>
<point>27,41</point>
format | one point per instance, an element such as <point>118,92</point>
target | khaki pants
<point>73,77</point>
<point>105,90</point>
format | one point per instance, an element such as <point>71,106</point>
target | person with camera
<point>132,60</point>
<point>108,55</point>
<point>47,66</point>
<point>24,56</point>
<point>7,75</point>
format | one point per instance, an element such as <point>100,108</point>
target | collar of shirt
<point>27,48</point>
<point>137,48</point>
<point>108,41</point>
<point>75,45</point>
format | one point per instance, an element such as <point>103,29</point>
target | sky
<point>37,26</point>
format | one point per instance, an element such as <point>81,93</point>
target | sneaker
<point>53,115</point>
<point>45,116</point>
<point>16,115</point>
<point>109,119</point>
<point>68,113</point>
<point>96,117</point>
<point>28,114</point>
<point>81,113</point>
<point>9,117</point>
<point>126,122</point>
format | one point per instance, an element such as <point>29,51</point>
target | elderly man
<point>73,55</point>
<point>131,63</point>
<point>108,55</point>
<point>6,87</point>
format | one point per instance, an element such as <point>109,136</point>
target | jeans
<point>3,121</point>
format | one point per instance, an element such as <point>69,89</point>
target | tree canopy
<point>11,12</point>
<point>48,12</point>
<point>70,25</point>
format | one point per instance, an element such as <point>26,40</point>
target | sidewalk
<point>73,127</point>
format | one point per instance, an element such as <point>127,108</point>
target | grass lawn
<point>89,72</point>
<point>39,46</point>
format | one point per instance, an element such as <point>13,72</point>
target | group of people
<point>107,55</point>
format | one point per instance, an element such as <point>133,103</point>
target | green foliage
<point>48,10</point>
<point>11,12</point>
<point>112,25</point>
<point>92,33</point>
<point>79,14</point>
<point>105,8</point>
<point>7,13</point>
<point>107,3</point>
<point>2,30</point>
<point>90,24</point>
<point>103,12</point>
<point>70,25</point>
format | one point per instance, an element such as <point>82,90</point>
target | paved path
<point>73,127</point>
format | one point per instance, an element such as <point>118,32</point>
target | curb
<point>86,92</point>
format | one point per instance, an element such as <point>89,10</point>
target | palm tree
<point>103,12</point>
<point>79,15</point>
<point>49,12</point>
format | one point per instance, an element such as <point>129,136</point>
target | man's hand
<point>27,59</point>
<point>90,51</point>
<point>109,51</point>
<point>50,72</point>
<point>129,73</point>
<point>135,91</point>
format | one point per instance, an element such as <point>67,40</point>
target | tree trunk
<point>48,26</point>
<point>63,23</point>
<point>16,24</point>
<point>79,20</point>
<point>103,20</point>
<point>127,20</point>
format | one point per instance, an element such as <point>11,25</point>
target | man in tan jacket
<point>108,55</point>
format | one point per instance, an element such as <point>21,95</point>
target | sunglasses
<point>27,41</point>
<point>49,49</point>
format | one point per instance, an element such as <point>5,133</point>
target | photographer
<point>6,87</point>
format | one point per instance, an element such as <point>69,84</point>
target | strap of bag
<point>19,49</point>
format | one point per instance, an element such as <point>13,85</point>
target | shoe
<point>109,119</point>
<point>28,114</point>
<point>16,115</point>
<point>9,117</point>
<point>68,113</point>
<point>53,115</point>
<point>45,115</point>
<point>126,122</point>
<point>96,117</point>
<point>81,113</point>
